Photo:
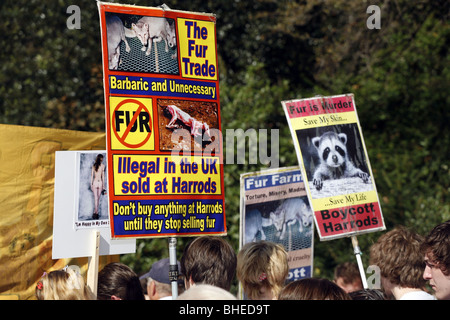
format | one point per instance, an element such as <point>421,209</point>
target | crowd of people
<point>411,267</point>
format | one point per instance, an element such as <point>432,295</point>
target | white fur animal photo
<point>287,221</point>
<point>141,44</point>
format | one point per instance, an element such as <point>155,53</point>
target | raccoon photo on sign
<point>334,160</point>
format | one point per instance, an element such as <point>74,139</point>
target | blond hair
<point>64,284</point>
<point>262,264</point>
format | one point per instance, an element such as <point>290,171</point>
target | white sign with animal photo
<point>274,207</point>
<point>333,159</point>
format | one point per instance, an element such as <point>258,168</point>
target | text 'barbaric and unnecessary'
<point>157,86</point>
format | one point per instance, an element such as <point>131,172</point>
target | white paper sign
<point>73,221</point>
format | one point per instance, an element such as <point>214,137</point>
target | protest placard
<point>274,207</point>
<point>333,159</point>
<point>162,122</point>
<point>74,205</point>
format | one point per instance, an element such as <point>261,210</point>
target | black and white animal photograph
<point>288,222</point>
<point>334,160</point>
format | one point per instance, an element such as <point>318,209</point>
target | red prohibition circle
<point>141,107</point>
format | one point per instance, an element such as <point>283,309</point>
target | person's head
<point>210,260</point>
<point>206,292</point>
<point>397,254</point>
<point>347,276</point>
<point>313,289</point>
<point>367,294</point>
<point>144,283</point>
<point>64,284</point>
<point>436,249</point>
<point>262,269</point>
<point>158,282</point>
<point>98,161</point>
<point>117,281</point>
<point>99,158</point>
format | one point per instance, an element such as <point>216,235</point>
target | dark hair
<point>437,246</point>
<point>119,280</point>
<point>210,260</point>
<point>349,273</point>
<point>367,294</point>
<point>313,289</point>
<point>98,161</point>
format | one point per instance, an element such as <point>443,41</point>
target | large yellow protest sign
<point>159,103</point>
<point>27,177</point>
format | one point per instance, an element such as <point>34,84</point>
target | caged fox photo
<point>334,160</point>
<point>285,221</point>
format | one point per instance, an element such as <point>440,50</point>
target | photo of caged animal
<point>334,160</point>
<point>115,31</point>
<point>286,214</point>
<point>290,211</point>
<point>153,29</point>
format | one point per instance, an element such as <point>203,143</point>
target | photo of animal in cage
<point>286,221</point>
<point>141,44</point>
<point>200,122</point>
<point>334,160</point>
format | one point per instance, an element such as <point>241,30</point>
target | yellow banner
<point>27,156</point>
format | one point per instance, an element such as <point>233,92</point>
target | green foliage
<point>247,107</point>
<point>269,51</point>
<point>51,76</point>
<point>400,76</point>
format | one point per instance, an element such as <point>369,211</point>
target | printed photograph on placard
<point>285,221</point>
<point>92,202</point>
<point>200,122</point>
<point>334,160</point>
